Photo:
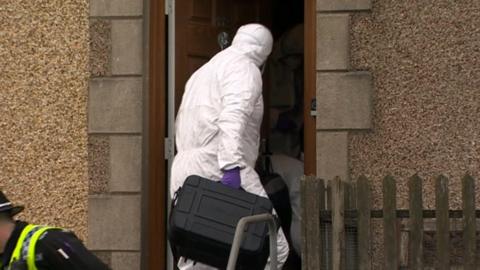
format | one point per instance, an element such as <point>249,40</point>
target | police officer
<point>25,246</point>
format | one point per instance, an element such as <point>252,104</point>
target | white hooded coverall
<point>218,123</point>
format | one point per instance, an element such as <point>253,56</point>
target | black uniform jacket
<point>56,250</point>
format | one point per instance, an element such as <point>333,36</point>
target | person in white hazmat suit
<point>219,119</point>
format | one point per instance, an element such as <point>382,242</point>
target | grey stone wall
<point>344,95</point>
<point>115,123</point>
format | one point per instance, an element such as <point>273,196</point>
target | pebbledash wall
<point>43,109</point>
<point>424,57</point>
<point>71,103</point>
<point>398,93</point>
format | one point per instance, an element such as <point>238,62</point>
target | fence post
<point>351,228</point>
<point>321,207</point>
<point>311,195</point>
<point>303,193</point>
<point>350,195</point>
<point>469,229</point>
<point>363,223</point>
<point>390,223</point>
<point>416,223</point>
<point>338,224</point>
<point>328,233</point>
<point>443,224</point>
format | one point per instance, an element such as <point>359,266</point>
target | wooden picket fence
<point>344,205</point>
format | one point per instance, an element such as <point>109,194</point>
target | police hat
<point>8,207</point>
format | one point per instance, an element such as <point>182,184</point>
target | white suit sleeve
<point>240,88</point>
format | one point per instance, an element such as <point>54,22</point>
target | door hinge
<point>168,7</point>
<point>168,148</point>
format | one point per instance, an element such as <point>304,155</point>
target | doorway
<point>197,28</point>
<point>205,27</point>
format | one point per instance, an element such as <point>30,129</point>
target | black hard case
<point>203,222</point>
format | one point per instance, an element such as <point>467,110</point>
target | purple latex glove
<point>231,178</point>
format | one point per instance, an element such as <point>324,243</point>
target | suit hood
<point>255,41</point>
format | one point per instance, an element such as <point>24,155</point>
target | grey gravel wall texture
<point>425,60</point>
<point>43,101</point>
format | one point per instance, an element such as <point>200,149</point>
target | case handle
<point>237,240</point>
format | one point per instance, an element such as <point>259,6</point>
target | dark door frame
<point>154,253</point>
<point>310,87</point>
<point>154,206</point>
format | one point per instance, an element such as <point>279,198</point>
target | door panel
<point>202,40</point>
<point>195,42</point>
<point>195,62</point>
<point>202,10</point>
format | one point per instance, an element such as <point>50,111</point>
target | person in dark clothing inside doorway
<point>25,246</point>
